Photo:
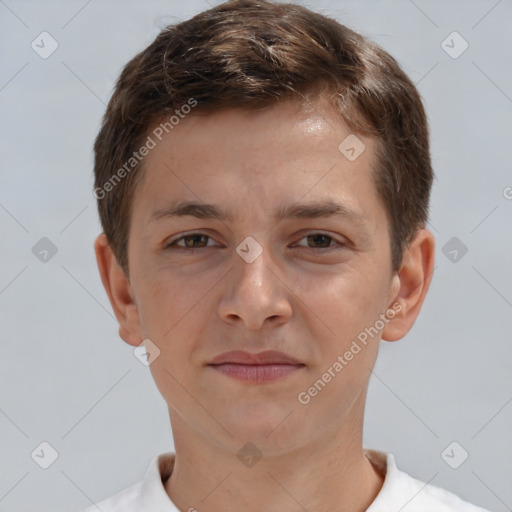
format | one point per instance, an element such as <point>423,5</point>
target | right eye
<point>190,240</point>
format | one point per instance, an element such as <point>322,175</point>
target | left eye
<point>190,241</point>
<point>322,239</point>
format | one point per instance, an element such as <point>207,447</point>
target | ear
<point>119,292</point>
<point>412,281</point>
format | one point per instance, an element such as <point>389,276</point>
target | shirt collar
<point>153,495</point>
<point>384,463</point>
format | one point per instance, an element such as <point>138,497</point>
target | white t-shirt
<point>400,492</point>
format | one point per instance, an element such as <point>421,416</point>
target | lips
<point>248,358</point>
<point>256,368</point>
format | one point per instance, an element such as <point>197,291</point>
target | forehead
<point>265,160</point>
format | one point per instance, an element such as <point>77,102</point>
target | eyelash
<point>174,246</point>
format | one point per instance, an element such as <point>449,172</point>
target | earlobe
<point>119,292</point>
<point>413,279</point>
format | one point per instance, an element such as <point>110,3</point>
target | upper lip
<point>266,357</point>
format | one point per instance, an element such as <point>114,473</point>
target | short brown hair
<point>252,54</point>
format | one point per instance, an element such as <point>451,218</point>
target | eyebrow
<point>310,210</point>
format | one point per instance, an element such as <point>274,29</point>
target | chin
<point>266,424</point>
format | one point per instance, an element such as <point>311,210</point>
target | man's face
<point>316,285</point>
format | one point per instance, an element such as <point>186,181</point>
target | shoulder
<point>426,497</point>
<point>401,491</point>
<point>147,494</point>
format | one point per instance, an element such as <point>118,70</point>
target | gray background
<point>68,379</point>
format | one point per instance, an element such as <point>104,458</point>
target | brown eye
<point>323,240</point>
<point>190,241</point>
<point>320,241</point>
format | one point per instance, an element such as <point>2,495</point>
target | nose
<point>255,294</point>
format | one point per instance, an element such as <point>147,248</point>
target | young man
<point>263,178</point>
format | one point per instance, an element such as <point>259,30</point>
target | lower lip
<point>257,372</point>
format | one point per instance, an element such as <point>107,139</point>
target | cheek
<point>171,314</point>
<point>165,301</point>
<point>343,305</point>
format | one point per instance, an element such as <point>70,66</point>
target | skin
<point>296,297</point>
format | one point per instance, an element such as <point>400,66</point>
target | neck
<point>322,476</point>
